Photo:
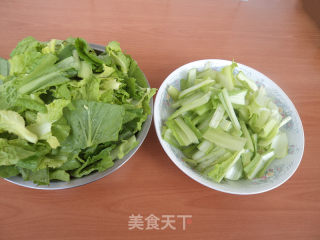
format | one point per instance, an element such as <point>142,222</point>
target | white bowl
<point>279,171</point>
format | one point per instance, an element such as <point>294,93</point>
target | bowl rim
<point>77,182</point>
<point>179,163</point>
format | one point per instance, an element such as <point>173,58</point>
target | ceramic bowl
<point>279,171</point>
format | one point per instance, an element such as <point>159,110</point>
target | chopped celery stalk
<point>217,117</point>
<point>254,138</point>
<point>214,154</point>
<point>244,113</point>
<point>190,115</point>
<point>195,87</point>
<point>235,172</point>
<point>220,169</point>
<point>249,144</point>
<point>192,74</point>
<point>264,142</point>
<point>224,140</point>
<point>259,120</point>
<point>266,165</point>
<point>225,125</point>
<point>205,146</point>
<point>197,155</point>
<point>224,98</point>
<point>277,116</point>
<point>280,145</point>
<point>180,136</point>
<point>204,125</point>
<point>173,92</point>
<point>248,82</point>
<point>192,127</point>
<point>183,84</point>
<point>205,164</point>
<point>201,118</point>
<point>197,103</point>
<point>207,74</point>
<point>187,130</point>
<point>168,136</point>
<point>213,161</point>
<point>268,128</point>
<point>224,157</point>
<point>272,106</point>
<point>261,97</point>
<point>225,76</point>
<point>246,158</point>
<point>239,97</point>
<point>258,163</point>
<point>248,169</point>
<point>187,100</point>
<point>191,162</point>
<point>284,121</point>
<point>235,132</point>
<point>203,109</point>
<point>189,150</point>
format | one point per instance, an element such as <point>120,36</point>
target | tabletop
<point>276,37</point>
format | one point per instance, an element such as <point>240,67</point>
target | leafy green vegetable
<point>93,123</point>
<point>225,125</point>
<point>118,56</point>
<point>12,122</point>
<point>86,52</point>
<point>8,171</point>
<point>4,68</point>
<point>67,110</point>
<point>11,154</point>
<point>43,126</point>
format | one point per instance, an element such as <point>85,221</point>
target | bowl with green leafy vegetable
<point>70,112</point>
<point>228,126</point>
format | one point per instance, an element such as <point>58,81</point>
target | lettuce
<point>12,122</point>
<point>43,126</point>
<point>93,123</point>
<point>66,110</point>
<point>4,68</point>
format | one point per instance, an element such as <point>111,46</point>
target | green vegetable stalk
<point>225,125</point>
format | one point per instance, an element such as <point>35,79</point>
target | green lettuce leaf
<point>12,122</point>
<point>59,175</point>
<point>93,123</point>
<point>67,110</point>
<point>99,162</point>
<point>8,171</point>
<point>11,154</point>
<point>40,177</point>
<point>86,52</point>
<point>4,68</point>
<point>43,126</point>
<point>120,59</point>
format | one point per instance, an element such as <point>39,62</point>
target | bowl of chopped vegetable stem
<point>70,112</point>
<point>228,127</point>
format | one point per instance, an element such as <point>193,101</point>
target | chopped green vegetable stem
<point>226,126</point>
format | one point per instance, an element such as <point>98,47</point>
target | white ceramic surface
<point>279,171</point>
